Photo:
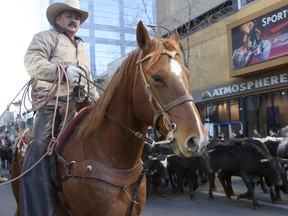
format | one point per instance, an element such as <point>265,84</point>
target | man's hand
<point>73,73</point>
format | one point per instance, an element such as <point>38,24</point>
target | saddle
<point>72,122</point>
<point>22,143</point>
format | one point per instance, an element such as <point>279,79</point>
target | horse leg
<point>60,207</point>
<point>15,172</point>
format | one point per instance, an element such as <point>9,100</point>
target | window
<point>106,12</point>
<point>105,54</point>
<point>83,32</point>
<point>87,47</point>
<point>243,3</point>
<point>107,34</point>
<point>223,111</point>
<point>212,113</point>
<point>84,5</point>
<point>234,110</point>
<point>129,49</point>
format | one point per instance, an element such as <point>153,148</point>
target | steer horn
<point>263,160</point>
<point>283,160</point>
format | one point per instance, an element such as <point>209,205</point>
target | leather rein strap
<point>183,99</point>
<point>162,110</point>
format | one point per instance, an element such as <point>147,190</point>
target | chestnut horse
<point>19,149</point>
<point>100,163</point>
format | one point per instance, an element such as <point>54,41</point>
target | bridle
<point>159,110</point>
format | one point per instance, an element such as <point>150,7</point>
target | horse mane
<point>97,112</point>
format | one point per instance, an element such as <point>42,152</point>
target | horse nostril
<point>192,144</point>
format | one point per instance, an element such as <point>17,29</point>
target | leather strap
<point>96,170</point>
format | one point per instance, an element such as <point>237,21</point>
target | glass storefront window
<point>261,112</point>
<point>223,111</point>
<point>252,110</point>
<point>281,107</point>
<point>266,111</point>
<point>212,113</point>
<point>234,110</point>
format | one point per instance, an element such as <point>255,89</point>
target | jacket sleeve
<point>93,91</point>
<point>36,59</point>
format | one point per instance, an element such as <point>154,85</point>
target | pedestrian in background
<point>240,135</point>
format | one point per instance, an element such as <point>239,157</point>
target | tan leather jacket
<point>46,49</point>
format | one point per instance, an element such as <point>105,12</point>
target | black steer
<point>248,159</point>
<point>156,172</point>
<point>278,149</point>
<point>183,170</point>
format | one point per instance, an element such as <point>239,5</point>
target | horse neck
<point>127,148</point>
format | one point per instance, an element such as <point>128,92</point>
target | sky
<point>19,23</point>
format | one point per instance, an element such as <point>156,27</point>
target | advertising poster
<point>262,39</point>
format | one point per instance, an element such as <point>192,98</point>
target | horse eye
<point>158,79</point>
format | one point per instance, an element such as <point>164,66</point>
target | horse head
<point>165,78</point>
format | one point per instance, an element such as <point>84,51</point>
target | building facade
<point>237,52</point>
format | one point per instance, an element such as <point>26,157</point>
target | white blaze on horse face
<point>177,70</point>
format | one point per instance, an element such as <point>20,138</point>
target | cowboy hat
<point>56,8</point>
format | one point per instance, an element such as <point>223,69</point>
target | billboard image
<point>261,39</point>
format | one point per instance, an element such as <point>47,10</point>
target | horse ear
<point>143,38</point>
<point>174,35</point>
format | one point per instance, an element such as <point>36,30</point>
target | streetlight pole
<point>154,26</point>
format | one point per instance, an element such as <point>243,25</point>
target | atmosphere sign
<point>261,39</point>
<point>272,81</point>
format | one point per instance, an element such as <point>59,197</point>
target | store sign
<point>243,87</point>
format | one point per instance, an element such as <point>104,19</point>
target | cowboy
<point>51,51</point>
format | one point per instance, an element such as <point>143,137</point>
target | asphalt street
<point>181,205</point>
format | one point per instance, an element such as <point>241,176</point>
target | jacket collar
<point>62,31</point>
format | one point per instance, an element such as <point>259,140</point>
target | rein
<point>168,122</point>
<point>137,134</point>
<point>162,110</point>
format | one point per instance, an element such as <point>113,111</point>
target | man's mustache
<point>72,24</point>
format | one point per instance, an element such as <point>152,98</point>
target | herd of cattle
<point>256,160</point>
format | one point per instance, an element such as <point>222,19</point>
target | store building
<point>237,52</point>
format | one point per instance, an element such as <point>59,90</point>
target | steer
<point>283,132</point>
<point>248,159</point>
<point>186,171</point>
<point>278,147</point>
<point>155,170</point>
